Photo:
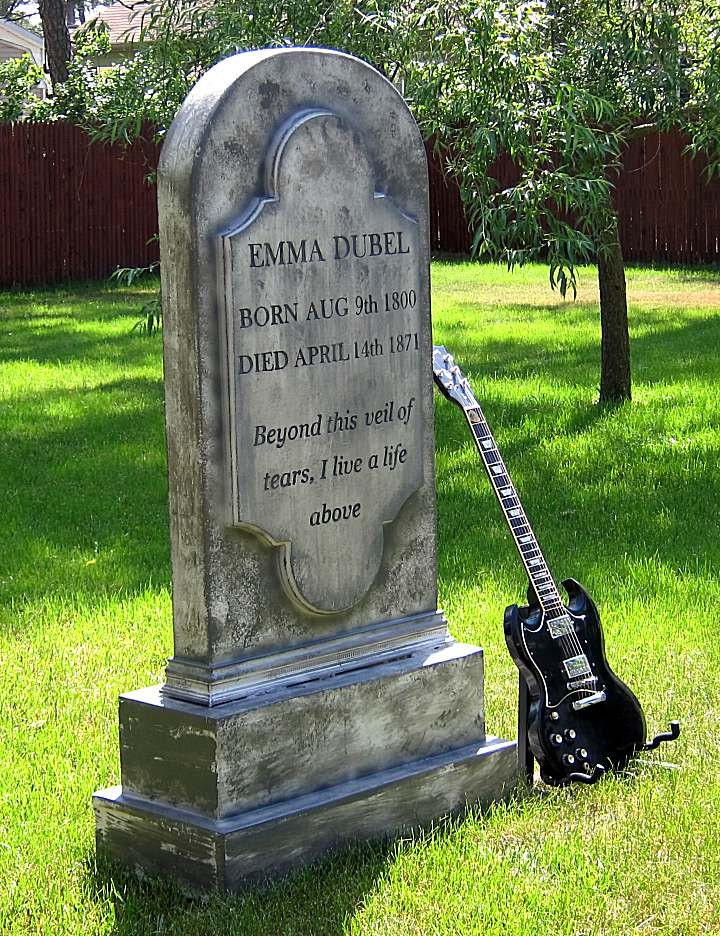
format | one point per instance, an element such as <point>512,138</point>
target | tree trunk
<point>57,39</point>
<point>615,355</point>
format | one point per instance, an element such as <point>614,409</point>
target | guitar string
<point>551,604</point>
<point>539,574</point>
<point>569,642</point>
<point>459,381</point>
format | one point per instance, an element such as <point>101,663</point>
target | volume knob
<point>556,739</point>
<point>568,759</point>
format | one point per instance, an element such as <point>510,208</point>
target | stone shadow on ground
<point>317,900</point>
<point>321,899</point>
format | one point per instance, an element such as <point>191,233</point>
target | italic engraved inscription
<point>321,317</point>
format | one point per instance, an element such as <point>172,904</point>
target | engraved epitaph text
<point>322,318</point>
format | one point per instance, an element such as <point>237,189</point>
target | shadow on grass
<point>702,273</point>
<point>318,899</point>
<point>595,480</point>
<point>48,326</point>
<point>83,473</point>
<point>656,511</point>
<point>321,899</point>
<point>73,295</point>
<point>83,482</point>
<point>62,346</point>
<point>661,354</point>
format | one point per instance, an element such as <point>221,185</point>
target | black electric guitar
<point>582,718</point>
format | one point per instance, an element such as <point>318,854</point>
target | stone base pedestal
<point>225,795</point>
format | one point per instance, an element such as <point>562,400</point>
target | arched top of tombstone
<point>294,215</point>
<point>242,99</point>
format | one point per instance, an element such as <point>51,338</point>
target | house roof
<point>123,20</point>
<point>15,41</point>
<point>17,35</point>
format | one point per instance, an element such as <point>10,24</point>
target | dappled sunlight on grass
<point>622,498</point>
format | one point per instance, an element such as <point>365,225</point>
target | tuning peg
<point>664,736</point>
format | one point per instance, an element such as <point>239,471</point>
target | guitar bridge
<point>577,683</point>
<point>593,699</point>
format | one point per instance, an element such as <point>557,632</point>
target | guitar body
<point>574,724</point>
<point>582,719</point>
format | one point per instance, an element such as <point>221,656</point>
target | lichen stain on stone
<point>269,92</point>
<point>219,609</point>
<point>190,731</point>
<point>235,149</point>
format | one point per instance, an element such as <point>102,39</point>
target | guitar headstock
<point>450,379</point>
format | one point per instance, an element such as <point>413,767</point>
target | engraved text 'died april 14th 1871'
<point>322,323</point>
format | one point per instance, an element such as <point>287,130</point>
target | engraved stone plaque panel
<point>294,235</point>
<point>322,317</point>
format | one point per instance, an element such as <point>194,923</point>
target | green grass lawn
<point>624,499</point>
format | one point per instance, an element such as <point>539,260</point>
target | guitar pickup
<point>590,700</point>
<point>577,667</point>
<point>560,627</point>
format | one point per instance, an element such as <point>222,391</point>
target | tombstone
<point>315,695</point>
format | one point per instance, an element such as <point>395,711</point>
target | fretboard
<point>527,545</point>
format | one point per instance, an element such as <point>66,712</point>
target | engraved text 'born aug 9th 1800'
<point>325,338</point>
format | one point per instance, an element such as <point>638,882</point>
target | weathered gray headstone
<point>315,695</point>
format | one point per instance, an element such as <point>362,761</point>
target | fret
<point>532,558</point>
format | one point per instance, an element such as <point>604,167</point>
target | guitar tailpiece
<point>663,737</point>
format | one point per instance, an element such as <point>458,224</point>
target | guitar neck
<point>527,545</point>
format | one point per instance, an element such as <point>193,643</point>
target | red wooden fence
<point>448,226</point>
<point>669,211</point>
<point>69,209</point>
<point>74,210</point>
